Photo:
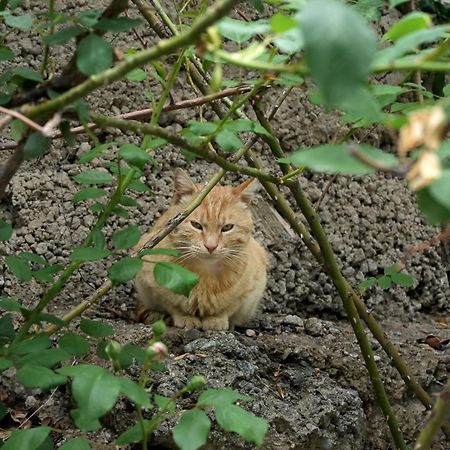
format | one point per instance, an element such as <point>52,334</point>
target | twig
<point>325,192</point>
<point>151,18</point>
<point>49,128</point>
<point>438,415</point>
<point>144,45</point>
<point>11,113</point>
<point>11,166</point>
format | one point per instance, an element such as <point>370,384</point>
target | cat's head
<point>220,227</point>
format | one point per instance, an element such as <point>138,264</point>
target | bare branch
<point>17,115</point>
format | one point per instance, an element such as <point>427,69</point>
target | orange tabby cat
<point>215,242</point>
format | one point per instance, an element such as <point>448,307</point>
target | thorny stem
<point>437,419</point>
<point>164,17</point>
<point>332,268</point>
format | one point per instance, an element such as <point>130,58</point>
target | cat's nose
<point>210,247</point>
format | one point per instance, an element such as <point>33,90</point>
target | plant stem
<point>438,415</point>
<point>164,47</point>
<point>51,10</point>
<point>164,17</point>
<point>332,268</point>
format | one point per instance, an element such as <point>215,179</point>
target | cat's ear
<point>183,186</point>
<point>246,190</point>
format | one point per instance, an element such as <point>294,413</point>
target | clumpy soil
<point>298,358</point>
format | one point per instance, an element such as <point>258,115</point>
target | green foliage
<point>75,444</point>
<point>126,238</point>
<point>175,277</point>
<point>93,177</point>
<point>30,439</point>
<point>74,344</point>
<point>94,54</point>
<point>96,328</point>
<point>191,432</point>
<point>391,276</point>
<point>5,230</point>
<point>88,193</point>
<point>36,146</point>
<point>125,269</point>
<point>134,155</point>
<point>89,254</point>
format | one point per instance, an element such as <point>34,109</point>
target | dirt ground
<point>298,359</point>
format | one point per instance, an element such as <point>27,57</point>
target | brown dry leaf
<point>4,434</point>
<point>280,391</point>
<point>177,358</point>
<point>434,342</point>
<point>18,416</point>
<point>425,170</point>
<point>425,127</point>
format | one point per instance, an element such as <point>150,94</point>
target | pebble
<point>250,333</point>
<point>291,319</point>
<point>313,326</point>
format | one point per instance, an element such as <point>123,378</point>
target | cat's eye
<point>227,227</point>
<point>196,225</point>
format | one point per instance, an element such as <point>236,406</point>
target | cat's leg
<point>216,323</point>
<point>144,315</point>
<point>183,321</point>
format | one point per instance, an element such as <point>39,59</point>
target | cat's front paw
<point>186,322</point>
<point>215,323</point>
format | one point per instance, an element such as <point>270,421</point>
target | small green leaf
<point>229,141</point>
<point>10,304</point>
<point>125,200</point>
<point>75,444</point>
<point>125,269</point>
<point>47,274</point>
<point>6,54</point>
<point>134,392</point>
<point>440,189</point>
<point>241,31</point>
<point>27,74</point>
<point>258,5</point>
<point>96,328</point>
<point>134,434</point>
<point>126,238</point>
<point>384,282</point>
<point>95,390</point>
<point>233,418</point>
<point>93,177</point>
<point>62,36</point>
<point>90,17</point>
<point>408,24</point>
<point>32,376</point>
<point>36,146</point>
<point>89,254</point>
<point>6,230</point>
<point>390,270</point>
<point>434,211</point>
<point>94,54</point>
<point>19,267</point>
<point>45,358</point>
<point>18,129</point>
<point>134,155</point>
<point>5,363</point>
<point>6,328</point>
<point>175,277</point>
<point>35,344</point>
<point>164,403</point>
<point>216,397</point>
<point>87,193</point>
<point>24,22</point>
<point>159,251</point>
<point>191,432</point>
<point>402,279</point>
<point>366,284</point>
<point>74,344</point>
<point>98,238</point>
<point>281,23</point>
<point>95,152</point>
<point>131,353</point>
<point>117,25</point>
<point>136,75</point>
<point>138,186</point>
<point>32,257</point>
<point>30,439</point>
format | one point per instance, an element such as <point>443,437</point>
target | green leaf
<point>233,418</point>
<point>96,328</point>
<point>74,344</point>
<point>191,432</point>
<point>36,146</point>
<point>134,434</point>
<point>32,257</point>
<point>239,30</point>
<point>340,62</point>
<point>94,55</point>
<point>5,363</point>
<point>125,200</point>
<point>27,73</point>
<point>130,353</point>
<point>384,282</point>
<point>394,3</point>
<point>89,18</point>
<point>281,23</point>
<point>95,152</point>
<point>6,53</point>
<point>202,128</point>
<point>126,238</point>
<point>134,392</point>
<point>47,274</point>
<point>6,328</point>
<point>98,238</point>
<point>6,230</point>
<point>136,75</point>
<point>35,344</point>
<point>134,155</point>
<point>290,41</point>
<point>435,213</point>
<point>408,24</point>
<point>10,304</point>
<point>19,267</point>
<point>45,358</point>
<point>24,22</point>
<point>87,193</point>
<point>440,189</point>
<point>159,251</point>
<point>75,444</point>
<point>125,269</point>
<point>402,279</point>
<point>89,254</point>
<point>3,410</point>
<point>33,376</point>
<point>217,397</point>
<point>337,159</point>
<point>366,284</point>
<point>175,277</point>
<point>258,5</point>
<point>117,25</point>
<point>229,141</point>
<point>18,129</point>
<point>95,390</point>
<point>369,9</point>
<point>93,177</point>
<point>30,439</point>
<point>62,36</point>
<point>164,403</point>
